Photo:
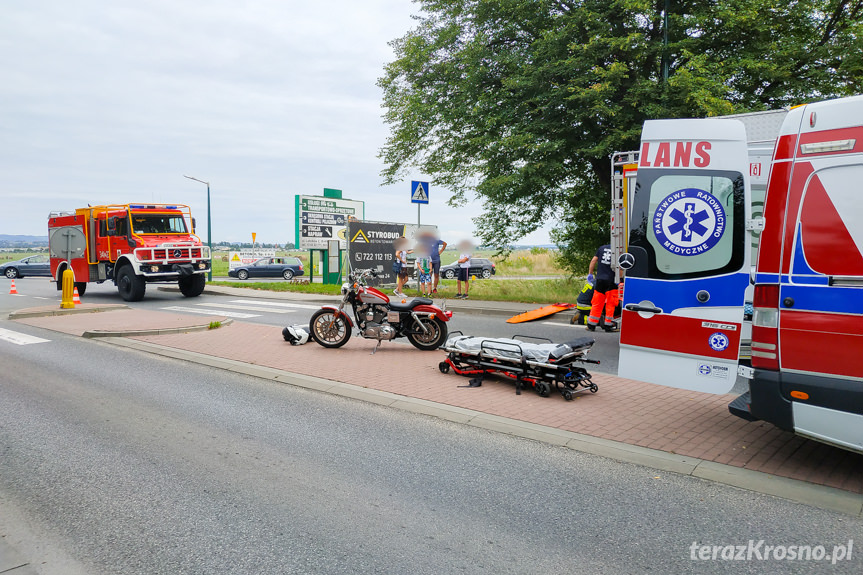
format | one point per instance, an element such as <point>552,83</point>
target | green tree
<point>522,102</point>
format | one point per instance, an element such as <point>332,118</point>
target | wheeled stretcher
<point>542,366</point>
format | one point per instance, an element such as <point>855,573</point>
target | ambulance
<point>783,323</point>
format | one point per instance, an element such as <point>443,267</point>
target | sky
<point>113,102</point>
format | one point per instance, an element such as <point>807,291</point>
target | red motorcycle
<point>377,317</point>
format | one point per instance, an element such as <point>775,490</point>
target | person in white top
<point>464,269</point>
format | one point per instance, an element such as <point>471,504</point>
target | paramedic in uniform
<point>604,290</point>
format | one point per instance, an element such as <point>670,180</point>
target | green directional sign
<point>320,219</point>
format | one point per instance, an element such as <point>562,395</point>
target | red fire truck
<point>702,312</point>
<point>131,245</point>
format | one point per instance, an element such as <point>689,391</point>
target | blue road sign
<point>419,192</point>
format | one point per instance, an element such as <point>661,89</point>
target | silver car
<point>38,265</point>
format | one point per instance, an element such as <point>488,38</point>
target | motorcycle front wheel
<point>432,338</point>
<point>329,328</point>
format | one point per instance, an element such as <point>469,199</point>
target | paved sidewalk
<point>675,421</point>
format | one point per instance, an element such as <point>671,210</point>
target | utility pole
<point>209,226</point>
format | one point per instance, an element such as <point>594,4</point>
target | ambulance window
<point>688,224</point>
<point>830,222</point>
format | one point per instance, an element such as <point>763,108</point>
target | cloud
<point>108,102</point>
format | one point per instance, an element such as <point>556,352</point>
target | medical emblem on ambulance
<point>718,341</point>
<point>689,222</point>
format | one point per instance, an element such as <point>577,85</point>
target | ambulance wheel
<point>192,286</point>
<point>82,287</point>
<point>567,394</point>
<point>130,286</point>
<point>443,367</point>
<point>594,388</point>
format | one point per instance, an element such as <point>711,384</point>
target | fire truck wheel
<point>192,286</point>
<point>82,287</point>
<point>130,286</point>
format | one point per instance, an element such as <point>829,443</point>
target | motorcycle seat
<point>410,304</point>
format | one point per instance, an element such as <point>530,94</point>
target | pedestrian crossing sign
<point>419,192</point>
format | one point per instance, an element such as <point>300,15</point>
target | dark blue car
<point>33,266</point>
<point>286,268</point>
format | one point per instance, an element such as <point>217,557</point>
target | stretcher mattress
<point>513,350</point>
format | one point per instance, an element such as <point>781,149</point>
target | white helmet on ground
<point>296,334</point>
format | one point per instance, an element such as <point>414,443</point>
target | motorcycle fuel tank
<point>372,295</point>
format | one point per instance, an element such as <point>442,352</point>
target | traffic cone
<point>76,299</point>
<point>12,290</point>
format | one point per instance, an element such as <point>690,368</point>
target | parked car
<point>33,266</point>
<point>479,267</point>
<point>286,268</point>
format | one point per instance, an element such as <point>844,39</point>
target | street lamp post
<point>209,226</point>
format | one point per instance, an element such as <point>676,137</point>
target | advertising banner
<point>371,246</point>
<point>245,257</point>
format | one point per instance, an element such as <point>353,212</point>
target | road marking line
<point>234,314</point>
<point>247,308</point>
<point>20,338</point>
<point>40,297</point>
<point>253,301</point>
<point>557,323</point>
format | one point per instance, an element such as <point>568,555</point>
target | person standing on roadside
<point>464,269</point>
<point>436,246</point>
<point>604,290</point>
<point>402,261</point>
<point>424,270</point>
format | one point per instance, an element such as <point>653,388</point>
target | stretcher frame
<point>542,376</point>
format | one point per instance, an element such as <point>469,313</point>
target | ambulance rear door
<point>689,256</point>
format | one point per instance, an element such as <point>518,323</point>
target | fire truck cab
<point>782,324</point>
<point>131,245</point>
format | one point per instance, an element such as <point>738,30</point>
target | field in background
<point>534,262</point>
<point>15,256</point>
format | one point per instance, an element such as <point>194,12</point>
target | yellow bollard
<point>68,290</point>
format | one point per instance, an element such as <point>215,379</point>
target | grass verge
<point>283,286</point>
<point>525,291</point>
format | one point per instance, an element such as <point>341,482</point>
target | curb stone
<point>47,312</point>
<point>819,496</point>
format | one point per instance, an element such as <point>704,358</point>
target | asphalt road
<point>113,461</point>
<point>39,291</point>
